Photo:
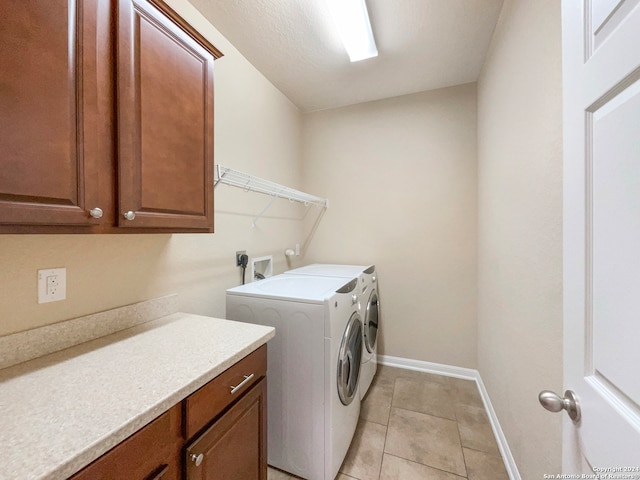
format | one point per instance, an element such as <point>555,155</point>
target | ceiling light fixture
<point>352,20</point>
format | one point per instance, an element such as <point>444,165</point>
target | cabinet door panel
<point>234,447</point>
<point>48,58</point>
<point>165,123</point>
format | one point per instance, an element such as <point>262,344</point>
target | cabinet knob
<point>197,459</point>
<point>130,215</point>
<point>96,212</point>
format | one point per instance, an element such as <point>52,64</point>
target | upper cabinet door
<point>165,121</point>
<point>48,59</point>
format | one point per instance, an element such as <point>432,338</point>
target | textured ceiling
<point>422,45</point>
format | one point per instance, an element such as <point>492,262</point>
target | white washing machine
<point>313,367</point>
<point>368,292</point>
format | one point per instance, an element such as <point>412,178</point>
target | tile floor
<point>417,425</point>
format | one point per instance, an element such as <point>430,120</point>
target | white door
<point>601,62</point>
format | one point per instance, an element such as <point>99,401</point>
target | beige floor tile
<point>424,397</point>
<point>475,429</point>
<point>342,476</point>
<point>425,439</point>
<point>364,457</point>
<point>395,468</point>
<point>484,466</point>
<point>465,392</point>
<point>376,404</point>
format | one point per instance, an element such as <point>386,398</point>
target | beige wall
<point>520,229</point>
<point>400,175</point>
<point>259,133</point>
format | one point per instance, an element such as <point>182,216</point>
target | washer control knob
<point>354,299</point>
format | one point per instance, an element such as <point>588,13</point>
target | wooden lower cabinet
<point>233,447</point>
<point>218,432</point>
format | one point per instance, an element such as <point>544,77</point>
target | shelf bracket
<point>257,217</point>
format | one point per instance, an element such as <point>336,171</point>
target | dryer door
<point>349,359</point>
<point>371,321</point>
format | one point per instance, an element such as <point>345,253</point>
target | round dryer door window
<point>349,359</point>
<point>371,320</point>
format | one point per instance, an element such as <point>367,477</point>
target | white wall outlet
<point>52,285</point>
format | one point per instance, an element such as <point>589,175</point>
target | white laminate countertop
<point>60,412</point>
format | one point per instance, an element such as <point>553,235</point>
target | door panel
<point>173,123</point>
<point>605,17</point>
<point>165,139</point>
<point>602,231</point>
<point>615,233</point>
<point>48,173</point>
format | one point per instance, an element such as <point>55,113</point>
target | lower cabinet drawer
<point>234,447</point>
<point>209,401</point>
<point>152,453</point>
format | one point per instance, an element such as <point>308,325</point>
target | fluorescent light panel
<point>352,20</point>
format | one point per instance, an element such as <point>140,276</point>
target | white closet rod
<point>249,183</point>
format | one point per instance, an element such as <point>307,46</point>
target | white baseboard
<point>466,374</point>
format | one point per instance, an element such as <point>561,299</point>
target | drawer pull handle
<point>197,459</point>
<point>247,378</point>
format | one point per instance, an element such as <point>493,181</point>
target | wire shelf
<point>249,183</point>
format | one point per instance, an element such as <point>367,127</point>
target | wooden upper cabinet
<point>165,121</point>
<point>104,104</point>
<point>48,89</point>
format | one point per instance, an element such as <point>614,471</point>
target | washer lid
<point>330,270</point>
<point>297,288</point>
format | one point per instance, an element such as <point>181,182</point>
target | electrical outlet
<point>52,285</point>
<point>238,254</point>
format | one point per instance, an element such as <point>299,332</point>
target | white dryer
<point>313,368</point>
<point>368,296</point>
